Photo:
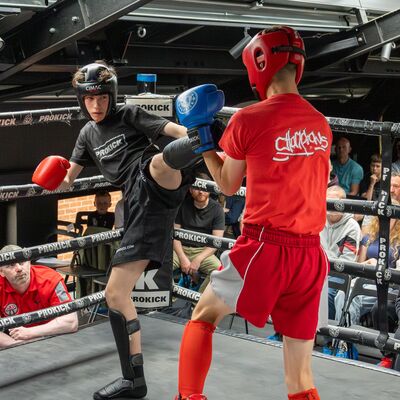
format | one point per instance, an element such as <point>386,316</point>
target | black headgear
<point>92,85</point>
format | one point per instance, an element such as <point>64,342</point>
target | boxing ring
<point>73,366</point>
<point>244,367</point>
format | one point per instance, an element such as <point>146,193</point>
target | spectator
<point>340,239</point>
<point>25,288</point>
<point>368,186</point>
<point>396,157</point>
<point>369,249</point>
<point>233,208</point>
<point>119,214</point>
<point>101,218</point>
<point>349,172</point>
<point>333,179</point>
<point>202,214</point>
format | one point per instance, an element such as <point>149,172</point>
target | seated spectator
<point>369,249</point>
<point>202,214</point>
<point>369,187</point>
<point>233,208</point>
<point>25,288</point>
<point>394,194</point>
<point>349,172</point>
<point>119,214</point>
<point>101,217</point>
<point>396,157</point>
<point>333,179</point>
<point>340,238</point>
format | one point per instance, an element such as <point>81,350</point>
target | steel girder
<point>59,25</point>
<point>354,43</point>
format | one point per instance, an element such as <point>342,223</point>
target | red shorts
<point>274,273</point>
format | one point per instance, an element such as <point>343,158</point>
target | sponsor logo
<point>31,192</point>
<point>93,88</point>
<point>299,143</point>
<point>334,332</point>
<point>338,266</point>
<point>5,322</point>
<point>54,311</point>
<point>81,242</point>
<point>241,192</point>
<point>8,121</point>
<point>27,253</point>
<point>146,281</point>
<point>125,248</point>
<point>217,243</point>
<point>47,248</point>
<point>55,117</point>
<point>389,212</point>
<point>26,318</point>
<point>4,196</point>
<point>106,236</point>
<point>186,293</point>
<point>101,184</point>
<point>96,297</point>
<point>186,102</point>
<point>200,184</point>
<point>80,303</point>
<point>151,300</point>
<point>7,256</point>
<point>387,274</point>
<point>339,206</point>
<point>110,148</point>
<point>11,309</point>
<point>85,185</point>
<point>28,119</point>
<point>192,237</point>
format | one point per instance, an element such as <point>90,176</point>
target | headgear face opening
<point>93,85</point>
<point>270,51</point>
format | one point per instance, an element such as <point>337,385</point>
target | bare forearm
<point>178,249</point>
<point>207,252</point>
<point>6,341</point>
<point>64,324</point>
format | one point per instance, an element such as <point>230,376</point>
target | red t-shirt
<point>286,143</point>
<point>46,289</point>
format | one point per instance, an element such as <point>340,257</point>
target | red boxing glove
<point>50,173</point>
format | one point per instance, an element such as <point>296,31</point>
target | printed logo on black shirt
<point>111,147</point>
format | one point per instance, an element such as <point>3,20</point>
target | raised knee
<point>206,314</point>
<point>115,298</point>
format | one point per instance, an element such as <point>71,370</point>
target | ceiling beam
<point>353,43</point>
<point>59,25</point>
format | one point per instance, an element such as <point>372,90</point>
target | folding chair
<point>342,283</point>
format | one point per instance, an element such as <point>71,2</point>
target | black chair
<point>82,219</point>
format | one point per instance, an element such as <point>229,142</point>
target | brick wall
<point>68,208</point>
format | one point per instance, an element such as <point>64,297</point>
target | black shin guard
<point>122,329</point>
<point>179,155</point>
<point>133,384</point>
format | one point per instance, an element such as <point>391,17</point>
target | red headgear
<point>270,51</point>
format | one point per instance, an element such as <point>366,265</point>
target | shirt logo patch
<point>110,148</point>
<point>61,293</point>
<point>11,309</point>
<point>299,143</point>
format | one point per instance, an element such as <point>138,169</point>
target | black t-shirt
<point>101,220</point>
<point>117,143</point>
<point>364,184</point>
<point>203,220</point>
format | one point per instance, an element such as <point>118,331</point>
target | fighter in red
<point>277,267</point>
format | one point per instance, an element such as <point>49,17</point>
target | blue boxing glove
<point>196,109</point>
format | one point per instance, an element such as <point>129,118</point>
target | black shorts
<point>149,216</point>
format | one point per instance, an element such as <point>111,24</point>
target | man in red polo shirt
<point>25,288</point>
<point>277,267</point>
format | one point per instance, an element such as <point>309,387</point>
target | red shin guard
<point>310,394</point>
<point>195,357</point>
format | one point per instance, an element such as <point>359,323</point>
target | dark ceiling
<point>187,43</point>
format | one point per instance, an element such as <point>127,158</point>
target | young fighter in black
<point>119,141</point>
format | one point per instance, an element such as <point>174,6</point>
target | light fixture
<point>386,51</point>
<point>237,49</point>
